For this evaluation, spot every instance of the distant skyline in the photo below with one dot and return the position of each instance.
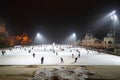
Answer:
(55, 19)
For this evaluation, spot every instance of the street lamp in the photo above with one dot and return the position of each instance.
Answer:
(37, 38)
(74, 37)
(113, 12)
(40, 39)
(114, 18)
(38, 34)
(71, 38)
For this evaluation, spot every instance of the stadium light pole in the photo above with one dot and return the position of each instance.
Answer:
(73, 37)
(38, 37)
(114, 18)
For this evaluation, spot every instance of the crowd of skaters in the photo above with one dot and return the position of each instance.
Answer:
(42, 58)
(54, 52)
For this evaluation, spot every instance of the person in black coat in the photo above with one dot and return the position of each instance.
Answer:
(3, 52)
(29, 51)
(78, 55)
(75, 60)
(42, 59)
(61, 60)
(33, 55)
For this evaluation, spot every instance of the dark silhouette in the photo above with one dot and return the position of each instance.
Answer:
(42, 59)
(3, 52)
(10, 49)
(56, 53)
(75, 60)
(53, 51)
(61, 60)
(72, 55)
(33, 55)
(99, 51)
(29, 51)
(78, 55)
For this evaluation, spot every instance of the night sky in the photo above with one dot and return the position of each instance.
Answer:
(56, 19)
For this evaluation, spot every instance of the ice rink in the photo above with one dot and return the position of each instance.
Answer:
(52, 54)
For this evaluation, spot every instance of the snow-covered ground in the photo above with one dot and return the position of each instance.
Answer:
(21, 56)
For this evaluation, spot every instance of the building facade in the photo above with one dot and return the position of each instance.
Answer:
(106, 43)
(91, 41)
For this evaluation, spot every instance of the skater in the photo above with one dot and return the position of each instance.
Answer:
(33, 55)
(44, 49)
(78, 51)
(61, 60)
(29, 51)
(87, 51)
(72, 55)
(32, 48)
(99, 51)
(53, 51)
(62, 49)
(3, 52)
(78, 55)
(42, 59)
(10, 49)
(56, 53)
(75, 60)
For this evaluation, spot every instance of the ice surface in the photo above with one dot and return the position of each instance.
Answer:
(21, 56)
